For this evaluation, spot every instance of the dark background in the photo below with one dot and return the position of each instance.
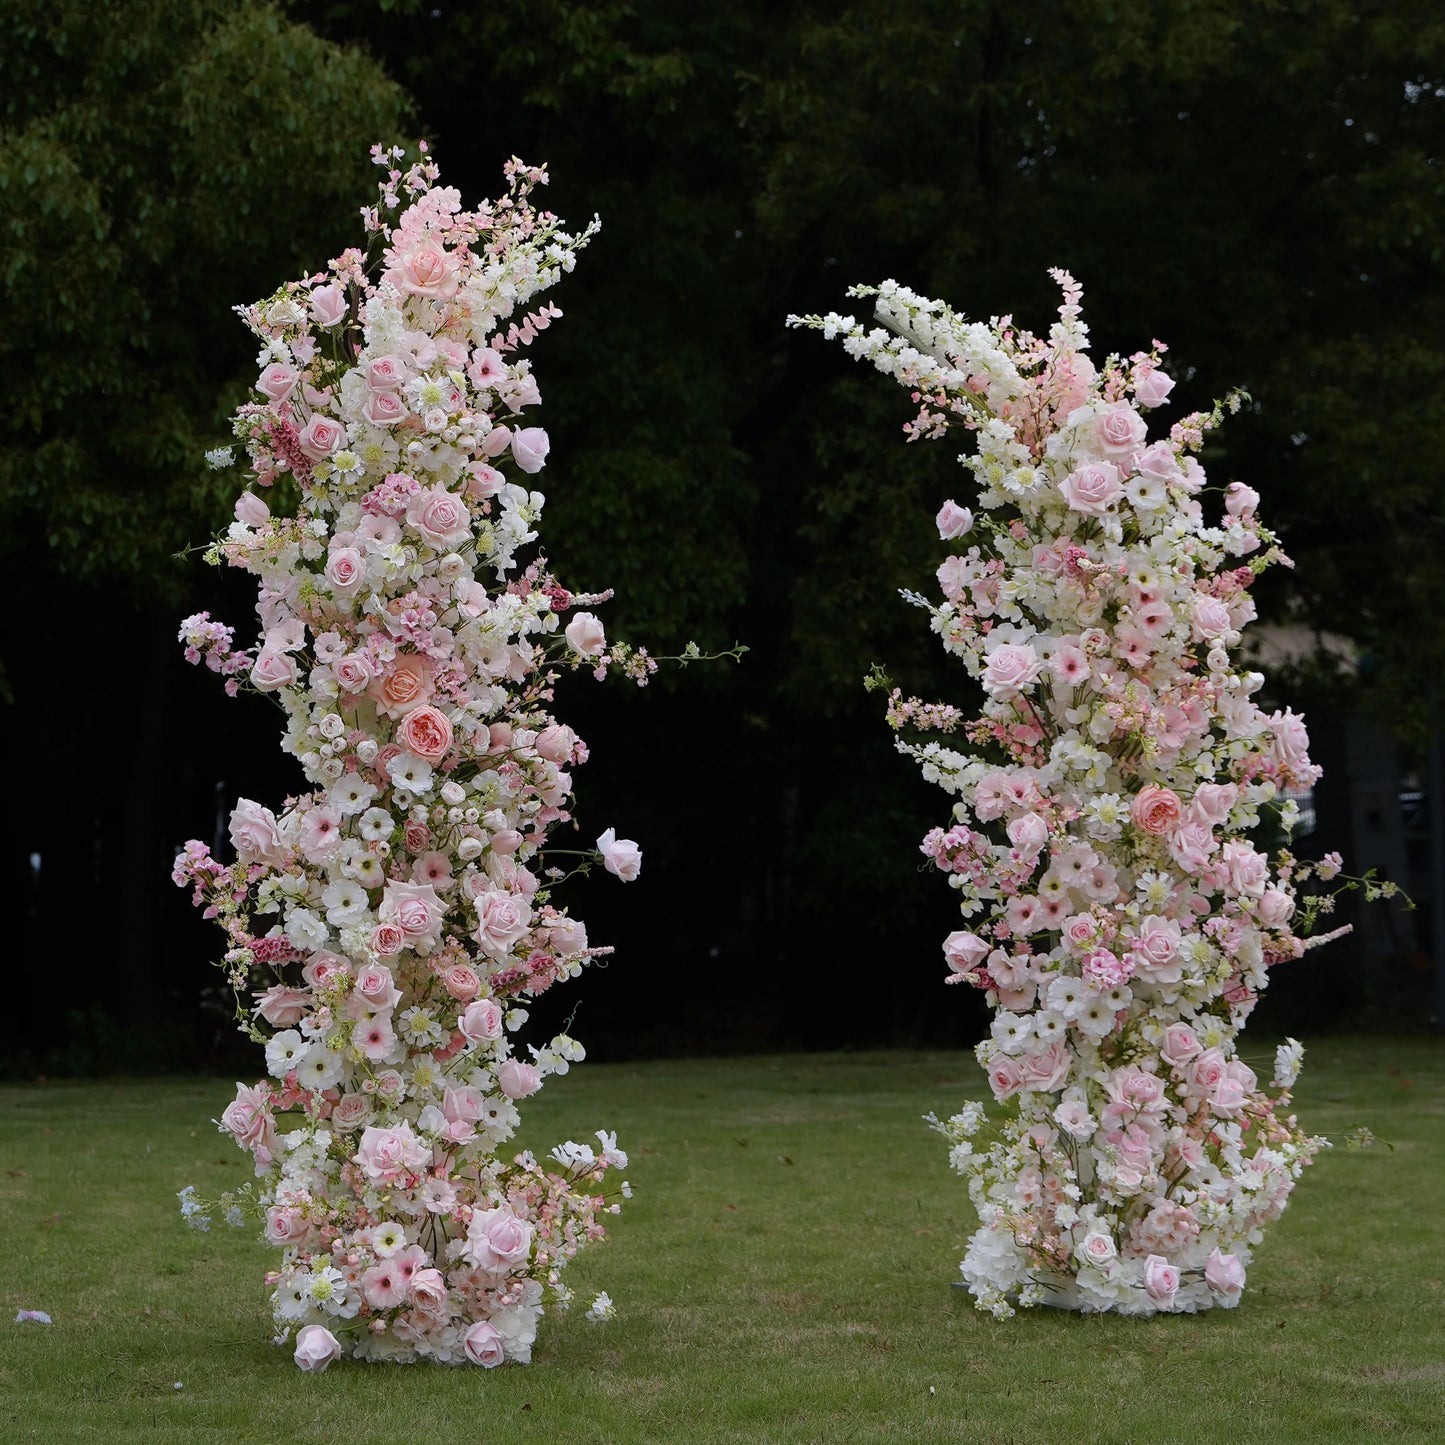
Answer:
(1259, 185)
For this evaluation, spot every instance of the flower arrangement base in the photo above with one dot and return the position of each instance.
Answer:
(1061, 1294)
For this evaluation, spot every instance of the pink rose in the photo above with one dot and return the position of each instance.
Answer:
(461, 982)
(384, 408)
(346, 571)
(285, 1225)
(1206, 1071)
(1120, 429)
(384, 373)
(284, 1007)
(518, 1080)
(483, 1345)
(414, 908)
(1005, 1077)
(481, 1021)
(278, 381)
(426, 270)
(405, 685)
(353, 672)
(443, 519)
(427, 733)
(1159, 462)
(1274, 908)
(1157, 943)
(248, 1119)
(585, 635)
(272, 670)
(497, 1241)
(387, 940)
(620, 856)
(462, 1101)
(1211, 619)
(1212, 802)
(1181, 1044)
(1046, 1069)
(1224, 1275)
(323, 967)
(388, 1154)
(1161, 1280)
(251, 511)
(316, 1348)
(1239, 500)
(328, 305)
(1291, 741)
(1028, 833)
(1156, 810)
(1093, 488)
(963, 952)
(555, 743)
(429, 1290)
(502, 919)
(321, 436)
(529, 448)
(1010, 669)
(351, 1110)
(376, 985)
(1098, 1248)
(1151, 386)
(254, 833)
(1246, 871)
(953, 521)
(1190, 846)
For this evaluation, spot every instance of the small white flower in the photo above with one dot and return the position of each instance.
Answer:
(602, 1309)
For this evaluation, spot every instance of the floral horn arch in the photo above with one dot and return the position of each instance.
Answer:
(1119, 917)
(393, 920)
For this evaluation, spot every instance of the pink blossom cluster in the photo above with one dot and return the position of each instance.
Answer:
(1120, 917)
(387, 927)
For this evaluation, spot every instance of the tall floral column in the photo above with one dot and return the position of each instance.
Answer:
(387, 927)
(1111, 796)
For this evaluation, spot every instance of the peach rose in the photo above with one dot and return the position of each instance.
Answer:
(405, 685)
(1156, 810)
(427, 733)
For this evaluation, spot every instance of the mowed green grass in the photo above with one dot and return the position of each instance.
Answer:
(783, 1274)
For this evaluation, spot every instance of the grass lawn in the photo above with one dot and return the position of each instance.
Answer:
(782, 1274)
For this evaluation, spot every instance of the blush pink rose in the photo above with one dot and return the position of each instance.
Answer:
(1028, 833)
(351, 1110)
(1005, 1077)
(251, 511)
(1120, 429)
(328, 305)
(1212, 801)
(953, 521)
(585, 635)
(620, 856)
(286, 1225)
(462, 982)
(1246, 870)
(387, 940)
(426, 270)
(1211, 619)
(254, 833)
(283, 1007)
(321, 436)
(1151, 386)
(1291, 741)
(518, 1080)
(1045, 1069)
(502, 919)
(249, 1121)
(1224, 1275)
(376, 985)
(1010, 669)
(1093, 488)
(384, 373)
(346, 571)
(278, 381)
(483, 1345)
(963, 951)
(529, 448)
(386, 1154)
(1275, 907)
(427, 733)
(1190, 845)
(568, 936)
(353, 672)
(429, 1292)
(442, 518)
(1156, 810)
(481, 1020)
(1161, 1280)
(1240, 500)
(1181, 1044)
(415, 909)
(272, 670)
(1205, 1072)
(316, 1348)
(497, 1241)
(556, 742)
(384, 408)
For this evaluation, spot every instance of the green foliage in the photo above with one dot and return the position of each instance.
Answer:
(781, 1274)
(152, 174)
